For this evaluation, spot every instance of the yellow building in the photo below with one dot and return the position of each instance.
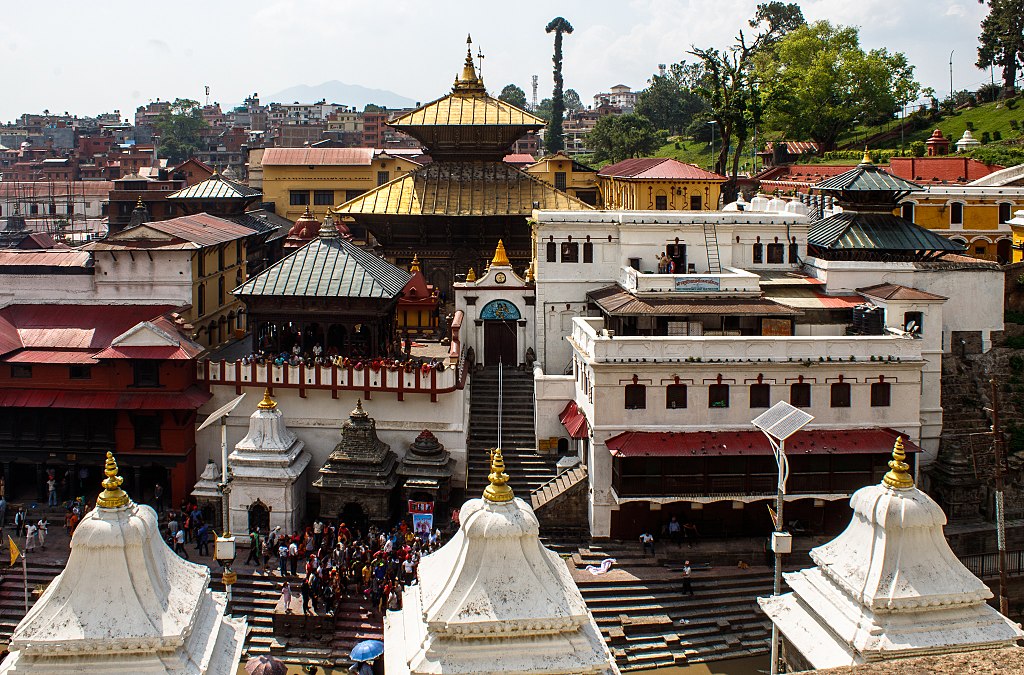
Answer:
(977, 217)
(658, 184)
(568, 175)
(322, 178)
(193, 260)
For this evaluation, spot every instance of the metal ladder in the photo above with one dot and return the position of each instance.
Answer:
(711, 242)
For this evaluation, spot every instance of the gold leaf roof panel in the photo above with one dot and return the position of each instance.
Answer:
(467, 109)
(476, 188)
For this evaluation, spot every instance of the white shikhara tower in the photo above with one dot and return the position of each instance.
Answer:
(267, 469)
(494, 600)
(126, 604)
(888, 587)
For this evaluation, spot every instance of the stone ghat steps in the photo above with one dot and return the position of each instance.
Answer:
(12, 592)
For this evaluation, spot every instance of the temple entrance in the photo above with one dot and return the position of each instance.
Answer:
(354, 517)
(259, 517)
(501, 332)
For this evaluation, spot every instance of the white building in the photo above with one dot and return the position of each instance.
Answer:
(126, 603)
(888, 587)
(620, 96)
(494, 600)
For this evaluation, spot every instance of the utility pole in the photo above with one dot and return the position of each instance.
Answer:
(951, 75)
(533, 108)
(997, 448)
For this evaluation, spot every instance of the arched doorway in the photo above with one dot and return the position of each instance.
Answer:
(354, 517)
(501, 332)
(259, 517)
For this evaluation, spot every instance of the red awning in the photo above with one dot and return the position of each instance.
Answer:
(168, 353)
(574, 421)
(748, 443)
(190, 399)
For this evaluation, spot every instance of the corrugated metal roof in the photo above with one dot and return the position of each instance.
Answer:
(201, 229)
(746, 443)
(615, 301)
(852, 230)
(216, 187)
(63, 327)
(44, 258)
(866, 178)
(463, 189)
(657, 168)
(331, 268)
(898, 292)
(317, 156)
(192, 398)
(51, 356)
(467, 109)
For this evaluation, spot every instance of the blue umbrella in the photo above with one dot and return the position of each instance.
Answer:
(367, 650)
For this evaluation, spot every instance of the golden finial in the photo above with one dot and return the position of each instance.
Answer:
(471, 275)
(500, 257)
(415, 266)
(867, 157)
(529, 273)
(113, 496)
(899, 471)
(469, 81)
(498, 491)
(139, 204)
(267, 403)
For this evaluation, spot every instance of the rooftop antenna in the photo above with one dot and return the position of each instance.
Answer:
(480, 62)
(534, 106)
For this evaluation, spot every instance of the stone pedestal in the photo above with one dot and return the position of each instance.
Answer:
(359, 478)
(268, 484)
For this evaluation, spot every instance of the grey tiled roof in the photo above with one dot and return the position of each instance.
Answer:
(328, 268)
(216, 187)
(866, 178)
(876, 231)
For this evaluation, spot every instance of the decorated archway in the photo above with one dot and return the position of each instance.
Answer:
(501, 331)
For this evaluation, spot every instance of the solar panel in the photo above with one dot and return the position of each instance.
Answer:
(782, 420)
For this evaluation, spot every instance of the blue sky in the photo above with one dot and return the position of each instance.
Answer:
(61, 56)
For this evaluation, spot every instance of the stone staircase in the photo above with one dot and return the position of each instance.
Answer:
(527, 470)
(562, 508)
(648, 622)
(12, 592)
(255, 596)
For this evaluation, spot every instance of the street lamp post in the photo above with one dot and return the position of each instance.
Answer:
(224, 545)
(779, 423)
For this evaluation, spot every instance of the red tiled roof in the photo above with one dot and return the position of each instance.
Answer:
(520, 158)
(747, 443)
(44, 258)
(51, 356)
(200, 229)
(191, 399)
(657, 168)
(317, 156)
(957, 170)
(574, 421)
(897, 292)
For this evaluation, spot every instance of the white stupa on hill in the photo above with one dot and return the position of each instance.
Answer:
(888, 587)
(494, 600)
(126, 604)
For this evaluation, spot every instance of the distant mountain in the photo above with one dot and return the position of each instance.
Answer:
(340, 92)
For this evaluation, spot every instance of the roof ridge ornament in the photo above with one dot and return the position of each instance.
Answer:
(898, 476)
(328, 230)
(112, 497)
(500, 257)
(498, 491)
(471, 275)
(358, 412)
(267, 403)
(469, 82)
(867, 161)
(415, 266)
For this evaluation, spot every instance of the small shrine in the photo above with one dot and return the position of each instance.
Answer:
(426, 470)
(268, 485)
(494, 600)
(417, 306)
(937, 144)
(888, 587)
(358, 480)
(125, 603)
(207, 493)
(967, 142)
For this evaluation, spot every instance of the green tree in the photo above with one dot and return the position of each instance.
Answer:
(1002, 40)
(180, 128)
(572, 100)
(514, 95)
(776, 19)
(669, 102)
(618, 137)
(554, 141)
(543, 110)
(819, 80)
(373, 107)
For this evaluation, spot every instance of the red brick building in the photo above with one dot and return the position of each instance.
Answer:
(77, 381)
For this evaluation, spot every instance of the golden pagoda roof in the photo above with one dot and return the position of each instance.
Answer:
(468, 188)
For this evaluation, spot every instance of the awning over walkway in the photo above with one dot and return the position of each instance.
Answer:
(616, 301)
(574, 421)
(751, 443)
(190, 399)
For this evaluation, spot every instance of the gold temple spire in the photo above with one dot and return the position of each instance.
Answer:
(415, 266)
(899, 471)
(469, 81)
(267, 403)
(471, 275)
(113, 496)
(139, 204)
(498, 491)
(500, 257)
(867, 157)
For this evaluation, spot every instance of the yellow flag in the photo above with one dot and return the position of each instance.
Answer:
(14, 551)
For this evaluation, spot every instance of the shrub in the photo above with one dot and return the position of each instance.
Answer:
(985, 138)
(970, 126)
(997, 135)
(1015, 125)
(918, 148)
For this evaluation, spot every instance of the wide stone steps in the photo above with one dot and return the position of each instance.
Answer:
(554, 488)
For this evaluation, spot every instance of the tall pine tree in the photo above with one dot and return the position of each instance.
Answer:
(554, 142)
